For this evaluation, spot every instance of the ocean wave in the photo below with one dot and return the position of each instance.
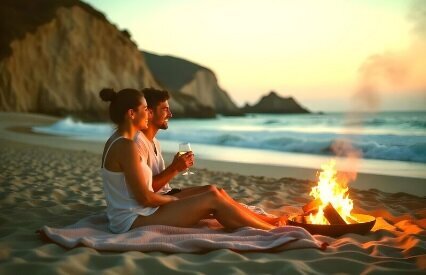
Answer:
(272, 121)
(385, 147)
(407, 147)
(417, 124)
(73, 128)
(228, 139)
(375, 122)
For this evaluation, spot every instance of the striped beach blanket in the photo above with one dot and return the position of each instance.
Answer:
(93, 232)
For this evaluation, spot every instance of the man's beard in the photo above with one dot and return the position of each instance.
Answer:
(164, 126)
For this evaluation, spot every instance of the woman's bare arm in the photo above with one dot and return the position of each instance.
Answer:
(129, 160)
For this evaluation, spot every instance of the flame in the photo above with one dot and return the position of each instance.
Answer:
(331, 189)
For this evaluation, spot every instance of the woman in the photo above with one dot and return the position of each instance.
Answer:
(127, 180)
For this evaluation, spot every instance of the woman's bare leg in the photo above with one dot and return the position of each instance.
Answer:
(189, 211)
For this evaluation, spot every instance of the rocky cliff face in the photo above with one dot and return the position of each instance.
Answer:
(61, 66)
(204, 87)
(183, 77)
(56, 59)
(274, 104)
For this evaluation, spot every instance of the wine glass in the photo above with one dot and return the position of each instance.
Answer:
(183, 149)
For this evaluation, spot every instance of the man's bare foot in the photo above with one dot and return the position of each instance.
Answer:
(278, 221)
(281, 221)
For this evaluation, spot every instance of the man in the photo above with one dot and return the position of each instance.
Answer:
(149, 148)
(158, 116)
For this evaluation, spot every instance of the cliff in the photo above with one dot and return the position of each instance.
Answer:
(183, 77)
(55, 56)
(274, 104)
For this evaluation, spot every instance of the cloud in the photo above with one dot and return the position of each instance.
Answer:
(417, 15)
(402, 71)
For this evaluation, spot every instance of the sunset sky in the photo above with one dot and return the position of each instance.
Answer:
(310, 49)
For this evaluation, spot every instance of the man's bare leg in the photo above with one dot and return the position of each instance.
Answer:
(191, 191)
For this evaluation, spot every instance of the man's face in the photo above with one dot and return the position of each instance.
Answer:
(161, 115)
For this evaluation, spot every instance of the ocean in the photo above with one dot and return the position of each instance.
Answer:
(390, 143)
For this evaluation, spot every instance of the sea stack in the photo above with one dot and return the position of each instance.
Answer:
(275, 104)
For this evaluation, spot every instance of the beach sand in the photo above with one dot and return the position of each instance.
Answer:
(50, 180)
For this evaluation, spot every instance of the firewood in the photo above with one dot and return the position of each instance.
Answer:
(299, 219)
(332, 215)
(312, 206)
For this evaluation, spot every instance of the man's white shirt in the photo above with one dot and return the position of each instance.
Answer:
(155, 161)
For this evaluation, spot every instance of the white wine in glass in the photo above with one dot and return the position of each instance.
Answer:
(183, 149)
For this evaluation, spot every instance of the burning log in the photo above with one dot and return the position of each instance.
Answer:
(330, 212)
(312, 206)
(332, 215)
(300, 219)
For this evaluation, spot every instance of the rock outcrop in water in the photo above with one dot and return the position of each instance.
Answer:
(55, 56)
(274, 104)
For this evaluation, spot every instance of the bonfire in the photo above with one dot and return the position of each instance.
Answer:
(330, 211)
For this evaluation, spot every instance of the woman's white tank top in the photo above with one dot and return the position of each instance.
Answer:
(122, 207)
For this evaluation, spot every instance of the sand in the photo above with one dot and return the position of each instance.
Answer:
(49, 180)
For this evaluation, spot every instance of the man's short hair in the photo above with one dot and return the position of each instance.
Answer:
(154, 97)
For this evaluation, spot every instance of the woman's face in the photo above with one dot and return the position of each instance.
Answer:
(141, 115)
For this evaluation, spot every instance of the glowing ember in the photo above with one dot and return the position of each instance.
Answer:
(330, 190)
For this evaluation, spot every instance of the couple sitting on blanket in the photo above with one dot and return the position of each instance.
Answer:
(136, 181)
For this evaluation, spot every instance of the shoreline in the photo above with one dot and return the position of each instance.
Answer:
(17, 127)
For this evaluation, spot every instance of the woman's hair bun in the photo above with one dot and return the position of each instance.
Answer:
(107, 94)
